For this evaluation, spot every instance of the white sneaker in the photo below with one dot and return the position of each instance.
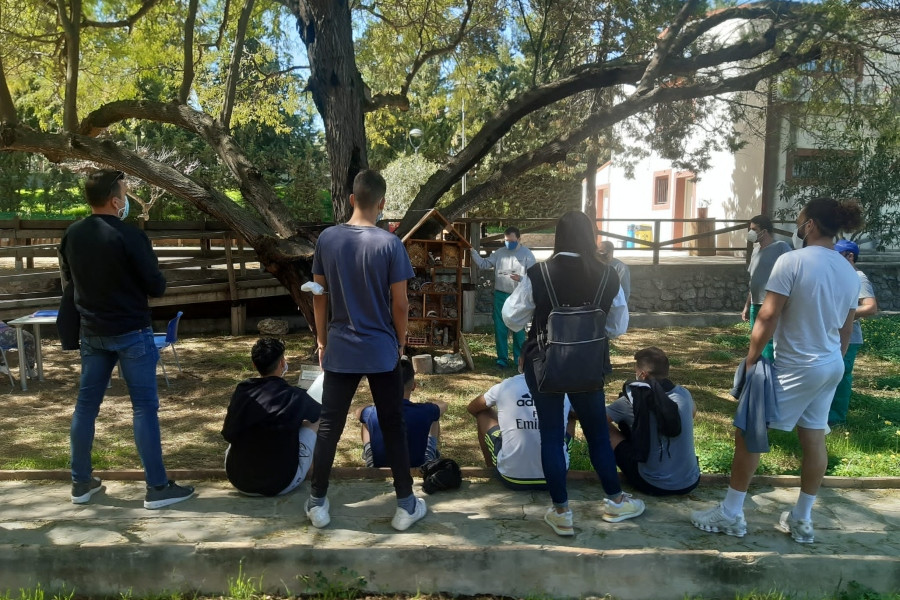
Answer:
(714, 520)
(319, 515)
(31, 372)
(799, 529)
(403, 520)
(561, 523)
(629, 508)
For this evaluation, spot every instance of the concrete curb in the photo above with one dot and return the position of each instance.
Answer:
(860, 483)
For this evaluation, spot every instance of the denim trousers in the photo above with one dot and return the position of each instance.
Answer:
(591, 410)
(137, 355)
(337, 394)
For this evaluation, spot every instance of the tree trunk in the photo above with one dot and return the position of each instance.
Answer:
(590, 186)
(338, 91)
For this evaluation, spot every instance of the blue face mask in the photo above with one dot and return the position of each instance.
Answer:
(511, 245)
(122, 213)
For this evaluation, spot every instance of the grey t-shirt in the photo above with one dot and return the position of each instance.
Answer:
(624, 276)
(678, 467)
(760, 268)
(865, 291)
(359, 265)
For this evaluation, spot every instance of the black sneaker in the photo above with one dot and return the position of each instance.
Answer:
(82, 492)
(159, 496)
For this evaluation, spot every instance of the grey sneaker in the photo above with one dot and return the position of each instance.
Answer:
(159, 496)
(561, 523)
(32, 373)
(82, 491)
(799, 529)
(627, 509)
(714, 520)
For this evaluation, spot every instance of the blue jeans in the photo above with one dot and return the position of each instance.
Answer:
(591, 410)
(137, 355)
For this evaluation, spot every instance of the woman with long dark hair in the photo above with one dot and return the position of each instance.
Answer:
(575, 275)
(810, 304)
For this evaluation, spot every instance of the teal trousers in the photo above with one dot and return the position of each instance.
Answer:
(840, 404)
(501, 332)
(769, 350)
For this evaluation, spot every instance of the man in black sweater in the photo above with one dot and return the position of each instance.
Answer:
(113, 270)
(270, 426)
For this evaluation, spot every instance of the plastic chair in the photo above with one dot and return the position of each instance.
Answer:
(167, 340)
(3, 350)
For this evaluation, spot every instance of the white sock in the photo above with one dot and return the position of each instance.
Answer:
(733, 505)
(803, 508)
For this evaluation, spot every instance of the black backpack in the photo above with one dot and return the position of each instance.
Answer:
(440, 474)
(573, 351)
(652, 397)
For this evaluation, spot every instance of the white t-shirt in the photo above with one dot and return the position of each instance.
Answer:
(865, 291)
(821, 287)
(520, 453)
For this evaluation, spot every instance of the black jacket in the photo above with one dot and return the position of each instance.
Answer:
(262, 425)
(114, 270)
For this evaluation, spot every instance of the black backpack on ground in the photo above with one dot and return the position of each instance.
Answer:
(440, 474)
(573, 351)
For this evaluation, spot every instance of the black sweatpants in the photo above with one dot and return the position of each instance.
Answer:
(337, 394)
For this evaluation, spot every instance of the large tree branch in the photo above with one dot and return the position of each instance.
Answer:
(557, 149)
(401, 99)
(187, 77)
(252, 185)
(126, 22)
(234, 71)
(71, 24)
(612, 73)
(664, 47)
(7, 107)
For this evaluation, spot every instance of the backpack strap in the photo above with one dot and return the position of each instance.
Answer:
(602, 287)
(545, 273)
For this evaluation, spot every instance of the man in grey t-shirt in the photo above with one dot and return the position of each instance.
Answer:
(760, 268)
(605, 252)
(671, 467)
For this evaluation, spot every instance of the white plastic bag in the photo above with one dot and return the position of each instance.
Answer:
(519, 307)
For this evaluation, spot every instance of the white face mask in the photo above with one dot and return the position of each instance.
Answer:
(284, 372)
(122, 213)
(752, 236)
(800, 242)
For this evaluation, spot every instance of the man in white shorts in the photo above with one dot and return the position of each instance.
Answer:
(810, 306)
(270, 426)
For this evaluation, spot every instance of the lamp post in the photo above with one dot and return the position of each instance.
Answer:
(415, 139)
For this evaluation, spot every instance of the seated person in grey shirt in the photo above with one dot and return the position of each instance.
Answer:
(671, 466)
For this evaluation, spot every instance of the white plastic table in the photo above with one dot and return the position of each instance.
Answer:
(41, 317)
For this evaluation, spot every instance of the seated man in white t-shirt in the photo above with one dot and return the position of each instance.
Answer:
(508, 433)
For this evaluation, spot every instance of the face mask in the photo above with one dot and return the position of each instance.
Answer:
(122, 213)
(284, 372)
(752, 236)
(511, 245)
(380, 217)
(799, 242)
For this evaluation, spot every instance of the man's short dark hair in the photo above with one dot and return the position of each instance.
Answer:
(101, 185)
(368, 188)
(408, 375)
(606, 247)
(652, 361)
(513, 231)
(763, 222)
(266, 354)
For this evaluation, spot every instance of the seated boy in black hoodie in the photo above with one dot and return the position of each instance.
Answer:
(270, 426)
